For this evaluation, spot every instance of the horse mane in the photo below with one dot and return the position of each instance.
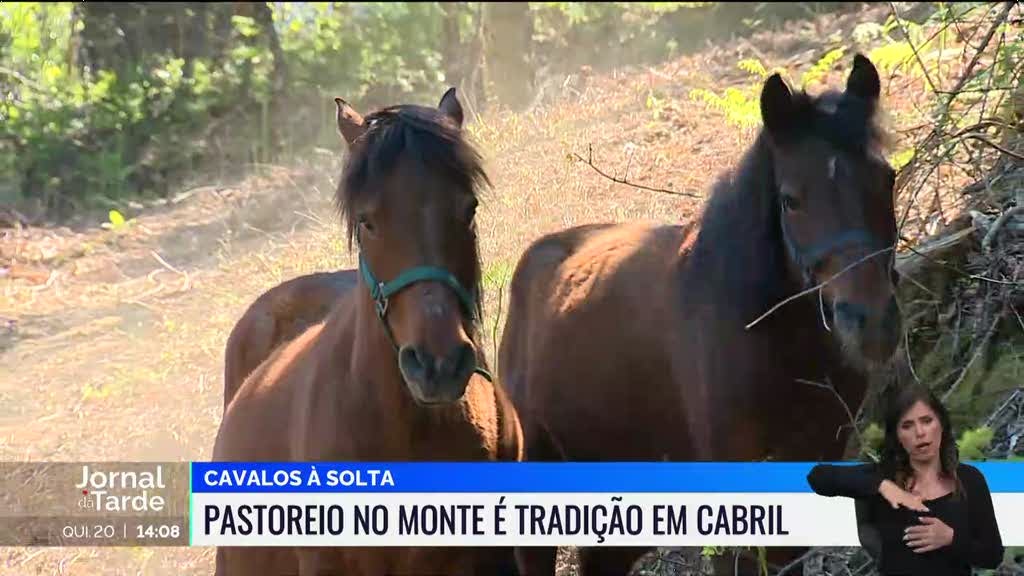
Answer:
(437, 145)
(740, 236)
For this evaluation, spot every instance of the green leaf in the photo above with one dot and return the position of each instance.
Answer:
(974, 443)
(901, 158)
(823, 66)
(116, 219)
(753, 66)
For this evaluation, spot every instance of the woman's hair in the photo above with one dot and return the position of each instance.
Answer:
(895, 461)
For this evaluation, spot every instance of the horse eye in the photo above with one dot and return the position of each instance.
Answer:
(471, 210)
(365, 223)
(790, 203)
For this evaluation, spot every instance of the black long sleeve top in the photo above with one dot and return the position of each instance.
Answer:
(976, 539)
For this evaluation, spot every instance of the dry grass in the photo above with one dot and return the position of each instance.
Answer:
(118, 356)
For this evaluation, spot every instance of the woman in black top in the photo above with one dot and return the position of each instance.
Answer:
(925, 513)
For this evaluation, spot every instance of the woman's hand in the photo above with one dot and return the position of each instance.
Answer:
(897, 497)
(931, 534)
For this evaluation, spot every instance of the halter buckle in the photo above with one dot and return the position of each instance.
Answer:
(381, 301)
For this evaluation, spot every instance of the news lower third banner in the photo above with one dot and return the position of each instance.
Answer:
(537, 504)
(440, 504)
(94, 504)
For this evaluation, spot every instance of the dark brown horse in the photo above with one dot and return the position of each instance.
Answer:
(278, 316)
(394, 372)
(631, 342)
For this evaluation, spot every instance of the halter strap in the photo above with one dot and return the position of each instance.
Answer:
(381, 292)
(809, 257)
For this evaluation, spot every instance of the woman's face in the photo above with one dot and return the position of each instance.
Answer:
(920, 433)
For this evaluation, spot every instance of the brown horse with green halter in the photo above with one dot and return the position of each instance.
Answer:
(395, 370)
(645, 342)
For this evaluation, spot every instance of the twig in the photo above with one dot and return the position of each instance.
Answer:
(1017, 314)
(188, 279)
(977, 353)
(849, 414)
(165, 264)
(821, 307)
(629, 162)
(817, 287)
(932, 140)
(29, 557)
(986, 243)
(973, 91)
(906, 342)
(961, 272)
(49, 282)
(497, 320)
(590, 163)
(955, 346)
(981, 49)
(906, 33)
(1003, 406)
(917, 283)
(985, 140)
(312, 218)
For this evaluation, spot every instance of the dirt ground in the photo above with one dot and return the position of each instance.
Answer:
(111, 340)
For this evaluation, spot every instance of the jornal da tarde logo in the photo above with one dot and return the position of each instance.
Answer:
(122, 490)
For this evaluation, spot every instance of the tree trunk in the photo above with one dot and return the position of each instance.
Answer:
(509, 52)
(451, 45)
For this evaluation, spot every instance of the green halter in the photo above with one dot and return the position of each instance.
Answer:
(382, 291)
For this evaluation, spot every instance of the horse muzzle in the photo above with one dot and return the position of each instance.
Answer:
(437, 379)
(871, 334)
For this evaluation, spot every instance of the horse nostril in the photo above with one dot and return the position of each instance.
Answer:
(849, 314)
(464, 359)
(427, 361)
(417, 363)
(457, 363)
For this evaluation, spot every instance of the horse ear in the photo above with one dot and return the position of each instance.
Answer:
(777, 110)
(450, 107)
(863, 80)
(350, 123)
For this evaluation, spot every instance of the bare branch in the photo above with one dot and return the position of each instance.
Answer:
(961, 272)
(981, 49)
(785, 569)
(906, 33)
(986, 243)
(934, 138)
(817, 287)
(849, 413)
(981, 138)
(590, 162)
(977, 353)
